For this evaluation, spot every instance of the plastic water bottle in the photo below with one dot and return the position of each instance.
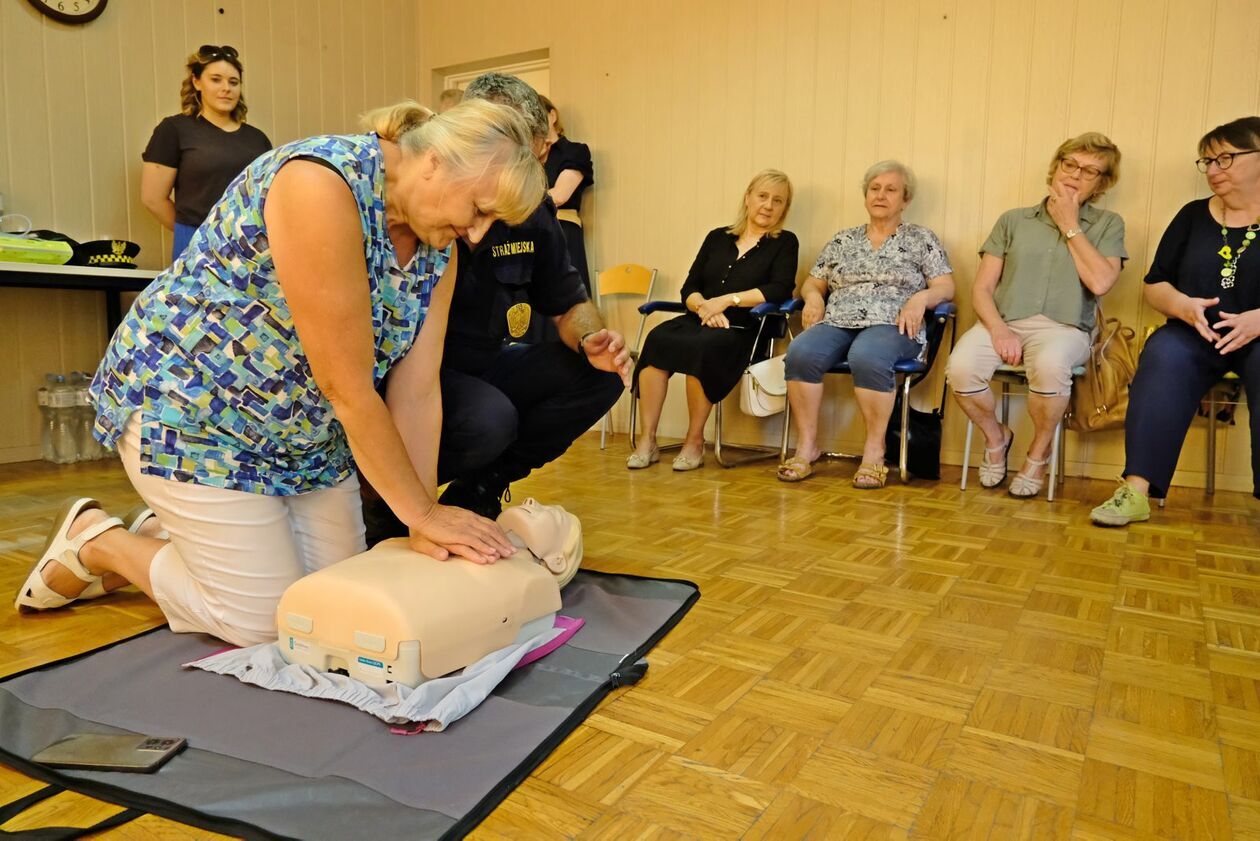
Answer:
(64, 431)
(85, 418)
(46, 422)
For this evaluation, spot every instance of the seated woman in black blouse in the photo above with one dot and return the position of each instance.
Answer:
(1206, 279)
(738, 267)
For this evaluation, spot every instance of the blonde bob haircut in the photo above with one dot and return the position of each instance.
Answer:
(761, 179)
(472, 139)
(1091, 143)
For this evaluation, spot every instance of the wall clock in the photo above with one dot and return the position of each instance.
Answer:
(70, 11)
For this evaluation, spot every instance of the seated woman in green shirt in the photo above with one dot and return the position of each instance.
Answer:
(1041, 272)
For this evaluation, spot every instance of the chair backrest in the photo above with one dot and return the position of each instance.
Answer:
(626, 279)
(936, 321)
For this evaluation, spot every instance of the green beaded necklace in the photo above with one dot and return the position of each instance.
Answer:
(1228, 273)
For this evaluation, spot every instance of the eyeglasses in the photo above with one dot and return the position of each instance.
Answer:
(1071, 167)
(209, 52)
(1224, 160)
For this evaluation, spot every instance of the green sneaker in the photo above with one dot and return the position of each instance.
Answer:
(1125, 506)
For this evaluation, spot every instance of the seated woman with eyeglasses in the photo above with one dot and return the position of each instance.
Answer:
(198, 151)
(1042, 270)
(1207, 281)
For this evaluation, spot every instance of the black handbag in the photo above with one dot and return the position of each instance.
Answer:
(923, 456)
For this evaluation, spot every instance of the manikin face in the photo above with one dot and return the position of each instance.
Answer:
(766, 203)
(886, 197)
(1085, 180)
(220, 87)
(443, 207)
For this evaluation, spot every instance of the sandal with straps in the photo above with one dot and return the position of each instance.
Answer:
(1024, 486)
(60, 548)
(870, 477)
(795, 469)
(993, 473)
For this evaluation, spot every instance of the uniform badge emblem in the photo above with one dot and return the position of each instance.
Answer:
(518, 316)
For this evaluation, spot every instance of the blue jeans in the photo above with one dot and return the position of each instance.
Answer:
(183, 233)
(871, 352)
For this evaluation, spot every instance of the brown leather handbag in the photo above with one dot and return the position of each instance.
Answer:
(1100, 397)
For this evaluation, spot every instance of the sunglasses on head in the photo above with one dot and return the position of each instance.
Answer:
(209, 52)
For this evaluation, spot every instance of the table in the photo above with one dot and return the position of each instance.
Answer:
(112, 282)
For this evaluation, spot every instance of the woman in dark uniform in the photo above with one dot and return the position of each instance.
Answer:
(569, 173)
(738, 267)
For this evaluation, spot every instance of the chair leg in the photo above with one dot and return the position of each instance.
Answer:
(634, 408)
(1055, 444)
(962, 486)
(787, 428)
(717, 435)
(1211, 442)
(603, 430)
(903, 459)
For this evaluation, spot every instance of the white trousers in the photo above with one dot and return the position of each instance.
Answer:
(232, 554)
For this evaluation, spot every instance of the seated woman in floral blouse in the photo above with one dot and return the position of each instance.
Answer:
(865, 300)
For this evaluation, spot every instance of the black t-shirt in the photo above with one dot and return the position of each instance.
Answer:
(205, 159)
(1188, 257)
(769, 266)
(565, 154)
(527, 263)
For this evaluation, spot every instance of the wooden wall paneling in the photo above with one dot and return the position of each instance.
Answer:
(928, 150)
(30, 186)
(286, 82)
(67, 127)
(104, 141)
(355, 59)
(332, 103)
(820, 202)
(899, 57)
(1090, 81)
(800, 94)
(1133, 129)
(1052, 52)
(200, 27)
(251, 29)
(135, 96)
(308, 68)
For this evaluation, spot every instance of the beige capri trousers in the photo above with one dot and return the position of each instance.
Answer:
(1051, 351)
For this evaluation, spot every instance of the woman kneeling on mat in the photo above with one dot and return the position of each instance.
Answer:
(749, 263)
(240, 390)
(865, 300)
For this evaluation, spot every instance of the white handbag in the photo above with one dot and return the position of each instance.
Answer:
(763, 388)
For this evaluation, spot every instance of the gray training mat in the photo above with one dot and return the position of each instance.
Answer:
(265, 764)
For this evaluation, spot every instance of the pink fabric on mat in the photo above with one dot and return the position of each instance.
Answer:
(571, 626)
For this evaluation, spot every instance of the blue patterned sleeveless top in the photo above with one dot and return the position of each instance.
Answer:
(208, 355)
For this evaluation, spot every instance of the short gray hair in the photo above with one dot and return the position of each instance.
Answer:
(509, 90)
(906, 173)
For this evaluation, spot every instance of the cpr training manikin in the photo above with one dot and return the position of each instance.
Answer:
(391, 615)
(410, 639)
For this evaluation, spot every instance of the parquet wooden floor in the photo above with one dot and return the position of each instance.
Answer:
(913, 663)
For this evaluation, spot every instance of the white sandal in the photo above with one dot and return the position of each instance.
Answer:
(993, 473)
(59, 548)
(1024, 486)
(135, 519)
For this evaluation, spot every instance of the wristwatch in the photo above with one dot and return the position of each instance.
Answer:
(735, 299)
(1071, 232)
